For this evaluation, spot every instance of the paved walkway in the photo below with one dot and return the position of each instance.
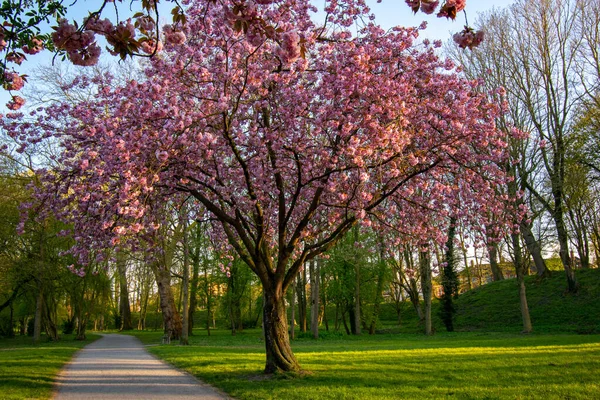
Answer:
(119, 367)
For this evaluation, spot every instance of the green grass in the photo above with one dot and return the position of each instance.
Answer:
(28, 371)
(447, 366)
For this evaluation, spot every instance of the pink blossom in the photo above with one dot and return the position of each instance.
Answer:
(80, 46)
(452, 7)
(35, 47)
(161, 155)
(16, 103)
(13, 81)
(289, 50)
(429, 6)
(468, 38)
(150, 46)
(15, 57)
(174, 36)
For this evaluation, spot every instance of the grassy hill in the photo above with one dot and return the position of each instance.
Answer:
(495, 307)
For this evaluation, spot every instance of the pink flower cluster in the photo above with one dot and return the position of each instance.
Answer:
(289, 50)
(426, 6)
(2, 41)
(173, 35)
(468, 38)
(16, 103)
(13, 81)
(15, 57)
(35, 47)
(77, 271)
(451, 8)
(150, 46)
(81, 47)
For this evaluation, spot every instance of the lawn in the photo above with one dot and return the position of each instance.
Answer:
(465, 365)
(27, 371)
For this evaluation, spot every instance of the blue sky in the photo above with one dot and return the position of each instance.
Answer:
(388, 13)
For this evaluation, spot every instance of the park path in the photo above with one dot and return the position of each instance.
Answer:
(119, 367)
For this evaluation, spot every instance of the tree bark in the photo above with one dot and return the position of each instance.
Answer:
(124, 306)
(495, 268)
(301, 295)
(425, 269)
(185, 281)
(520, 269)
(357, 321)
(449, 280)
(293, 316)
(280, 357)
(315, 271)
(534, 248)
(194, 285)
(171, 318)
(37, 322)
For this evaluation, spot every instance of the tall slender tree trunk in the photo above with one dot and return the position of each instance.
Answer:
(194, 287)
(413, 293)
(378, 293)
(301, 295)
(124, 306)
(293, 316)
(315, 271)
(463, 249)
(324, 300)
(494, 266)
(534, 248)
(520, 269)
(185, 281)
(425, 269)
(357, 320)
(449, 280)
(37, 322)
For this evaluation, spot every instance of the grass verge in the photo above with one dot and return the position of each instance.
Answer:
(27, 371)
(464, 365)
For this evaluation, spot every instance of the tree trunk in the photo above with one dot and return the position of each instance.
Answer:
(463, 249)
(280, 357)
(323, 291)
(356, 330)
(449, 280)
(293, 316)
(171, 318)
(527, 328)
(496, 271)
(425, 269)
(11, 321)
(194, 287)
(315, 272)
(185, 281)
(124, 306)
(534, 248)
(301, 295)
(49, 321)
(37, 322)
(207, 292)
(563, 241)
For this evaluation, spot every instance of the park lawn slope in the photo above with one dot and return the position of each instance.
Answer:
(494, 307)
(28, 371)
(464, 365)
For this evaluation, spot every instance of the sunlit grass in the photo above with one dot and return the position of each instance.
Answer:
(28, 371)
(461, 366)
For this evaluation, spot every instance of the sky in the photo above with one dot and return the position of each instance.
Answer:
(388, 13)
